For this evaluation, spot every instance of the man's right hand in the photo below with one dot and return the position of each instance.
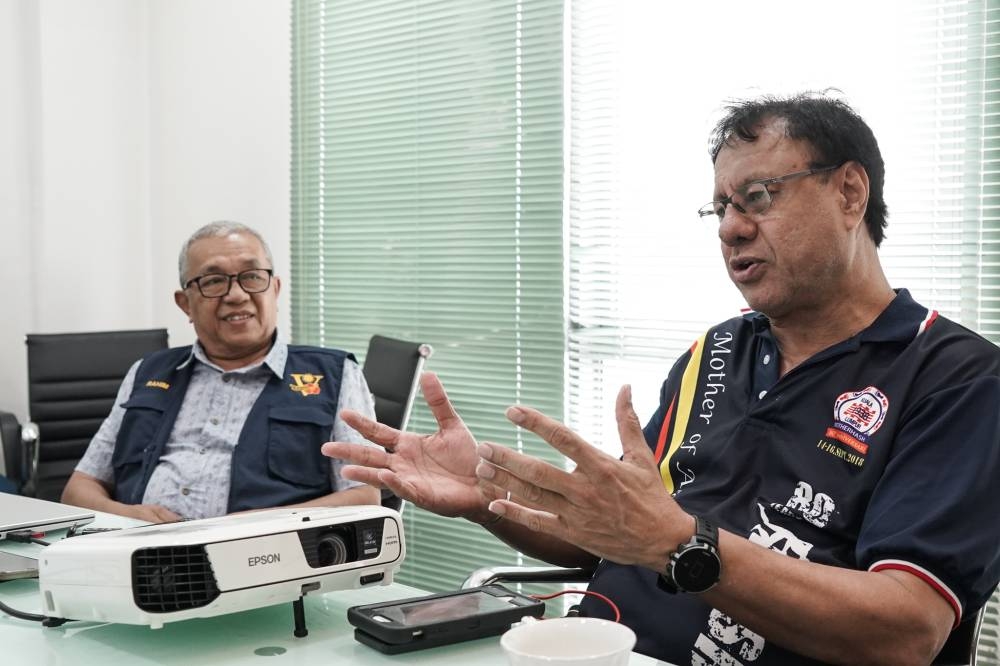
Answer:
(91, 493)
(436, 472)
(151, 513)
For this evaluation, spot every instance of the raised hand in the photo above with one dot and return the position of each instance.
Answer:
(616, 509)
(435, 472)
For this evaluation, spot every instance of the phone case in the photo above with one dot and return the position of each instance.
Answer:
(394, 637)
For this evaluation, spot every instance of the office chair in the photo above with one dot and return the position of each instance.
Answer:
(527, 574)
(961, 647)
(13, 469)
(73, 379)
(958, 650)
(392, 369)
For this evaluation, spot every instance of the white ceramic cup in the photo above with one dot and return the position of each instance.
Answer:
(568, 641)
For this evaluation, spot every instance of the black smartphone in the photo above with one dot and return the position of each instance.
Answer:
(440, 619)
(17, 566)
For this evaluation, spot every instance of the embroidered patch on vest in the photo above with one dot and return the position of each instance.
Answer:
(155, 383)
(306, 384)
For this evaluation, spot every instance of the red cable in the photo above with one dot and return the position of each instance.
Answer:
(618, 614)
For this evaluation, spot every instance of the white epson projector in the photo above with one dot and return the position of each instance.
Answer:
(156, 574)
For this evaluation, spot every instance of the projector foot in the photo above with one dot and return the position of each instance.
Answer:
(299, 611)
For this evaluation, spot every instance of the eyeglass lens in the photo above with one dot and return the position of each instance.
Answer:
(252, 281)
(754, 200)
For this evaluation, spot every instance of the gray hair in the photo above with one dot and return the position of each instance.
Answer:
(218, 229)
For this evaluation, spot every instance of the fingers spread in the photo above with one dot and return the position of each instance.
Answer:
(634, 446)
(437, 399)
(358, 454)
(373, 431)
(538, 521)
(560, 437)
(367, 475)
(526, 469)
(529, 493)
(386, 478)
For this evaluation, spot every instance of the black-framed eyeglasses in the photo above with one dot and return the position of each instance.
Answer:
(217, 285)
(754, 198)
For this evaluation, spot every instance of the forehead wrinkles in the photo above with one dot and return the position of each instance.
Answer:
(772, 155)
(214, 254)
(226, 262)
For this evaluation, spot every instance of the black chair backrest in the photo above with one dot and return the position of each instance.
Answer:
(72, 382)
(10, 435)
(960, 648)
(392, 370)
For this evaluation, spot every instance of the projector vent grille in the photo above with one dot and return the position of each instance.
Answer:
(172, 578)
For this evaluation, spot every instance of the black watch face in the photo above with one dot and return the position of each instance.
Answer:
(697, 569)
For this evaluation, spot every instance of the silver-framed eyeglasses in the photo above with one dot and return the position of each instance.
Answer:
(217, 285)
(754, 198)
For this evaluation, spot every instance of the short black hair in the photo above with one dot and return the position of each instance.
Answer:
(833, 129)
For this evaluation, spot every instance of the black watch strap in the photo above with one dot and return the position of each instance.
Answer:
(705, 539)
(706, 532)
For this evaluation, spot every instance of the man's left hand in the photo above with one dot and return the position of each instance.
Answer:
(616, 509)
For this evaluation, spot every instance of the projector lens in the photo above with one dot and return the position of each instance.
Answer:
(331, 550)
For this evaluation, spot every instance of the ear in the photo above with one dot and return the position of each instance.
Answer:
(854, 193)
(277, 285)
(181, 299)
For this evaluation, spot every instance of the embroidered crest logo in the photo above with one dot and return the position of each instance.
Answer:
(857, 415)
(155, 383)
(306, 384)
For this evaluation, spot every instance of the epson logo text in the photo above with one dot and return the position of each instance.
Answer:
(270, 558)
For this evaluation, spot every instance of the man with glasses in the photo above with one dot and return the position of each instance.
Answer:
(819, 481)
(235, 421)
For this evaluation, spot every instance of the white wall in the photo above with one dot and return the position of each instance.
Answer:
(90, 266)
(18, 137)
(219, 128)
(125, 125)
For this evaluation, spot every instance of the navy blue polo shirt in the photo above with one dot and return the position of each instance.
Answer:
(880, 452)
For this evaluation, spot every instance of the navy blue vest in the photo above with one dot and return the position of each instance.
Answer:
(277, 460)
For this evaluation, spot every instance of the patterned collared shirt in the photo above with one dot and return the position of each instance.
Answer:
(192, 477)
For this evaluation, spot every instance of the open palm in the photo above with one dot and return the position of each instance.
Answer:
(436, 472)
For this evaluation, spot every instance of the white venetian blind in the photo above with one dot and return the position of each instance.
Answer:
(951, 251)
(945, 227)
(427, 205)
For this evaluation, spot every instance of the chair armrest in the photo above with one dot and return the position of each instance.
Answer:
(30, 449)
(962, 644)
(523, 574)
(10, 440)
(20, 451)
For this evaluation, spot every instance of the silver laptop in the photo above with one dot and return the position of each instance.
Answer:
(27, 514)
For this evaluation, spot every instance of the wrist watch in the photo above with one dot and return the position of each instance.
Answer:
(695, 566)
